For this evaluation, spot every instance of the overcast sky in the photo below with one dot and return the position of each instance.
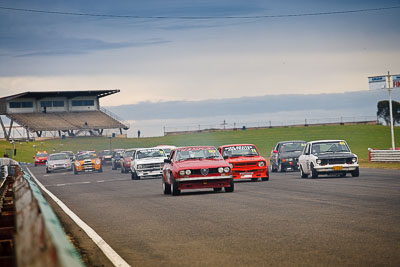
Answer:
(176, 58)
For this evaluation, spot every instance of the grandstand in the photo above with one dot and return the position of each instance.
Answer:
(69, 113)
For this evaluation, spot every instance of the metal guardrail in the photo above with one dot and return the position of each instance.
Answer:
(382, 155)
(58, 250)
(30, 225)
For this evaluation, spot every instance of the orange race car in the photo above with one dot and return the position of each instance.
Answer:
(87, 162)
(245, 161)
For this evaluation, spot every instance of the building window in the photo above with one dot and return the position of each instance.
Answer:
(58, 103)
(79, 103)
(21, 104)
(46, 104)
(51, 104)
(27, 104)
(15, 104)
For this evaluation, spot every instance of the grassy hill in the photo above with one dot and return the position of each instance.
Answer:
(359, 138)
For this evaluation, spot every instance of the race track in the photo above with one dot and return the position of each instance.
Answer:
(286, 221)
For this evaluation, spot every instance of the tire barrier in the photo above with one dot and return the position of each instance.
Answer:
(380, 155)
(38, 237)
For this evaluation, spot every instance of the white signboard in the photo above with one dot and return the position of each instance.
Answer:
(377, 82)
(396, 81)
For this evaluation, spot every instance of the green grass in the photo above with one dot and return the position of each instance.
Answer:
(359, 138)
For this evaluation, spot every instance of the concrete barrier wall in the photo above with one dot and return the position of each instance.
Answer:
(39, 239)
(380, 155)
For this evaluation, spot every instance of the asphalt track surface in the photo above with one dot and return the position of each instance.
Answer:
(287, 221)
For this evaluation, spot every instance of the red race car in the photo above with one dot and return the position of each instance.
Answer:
(245, 161)
(41, 158)
(196, 167)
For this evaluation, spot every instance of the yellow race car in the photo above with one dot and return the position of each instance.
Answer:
(87, 162)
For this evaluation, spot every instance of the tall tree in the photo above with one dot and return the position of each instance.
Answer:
(384, 112)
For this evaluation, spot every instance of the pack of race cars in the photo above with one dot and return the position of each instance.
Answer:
(200, 167)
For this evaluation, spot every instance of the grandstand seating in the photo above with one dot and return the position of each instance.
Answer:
(62, 121)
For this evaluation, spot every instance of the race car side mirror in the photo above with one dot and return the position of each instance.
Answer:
(226, 157)
(167, 161)
(275, 151)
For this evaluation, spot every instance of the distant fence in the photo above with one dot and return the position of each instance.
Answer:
(224, 125)
(384, 155)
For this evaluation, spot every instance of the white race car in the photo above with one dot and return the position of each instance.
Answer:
(147, 162)
(332, 157)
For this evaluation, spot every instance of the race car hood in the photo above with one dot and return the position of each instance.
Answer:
(294, 154)
(245, 159)
(336, 155)
(201, 164)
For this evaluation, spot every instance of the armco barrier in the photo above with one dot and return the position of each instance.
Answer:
(381, 155)
(39, 239)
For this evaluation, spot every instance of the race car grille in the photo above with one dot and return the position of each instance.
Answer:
(59, 165)
(211, 171)
(245, 164)
(152, 166)
(336, 161)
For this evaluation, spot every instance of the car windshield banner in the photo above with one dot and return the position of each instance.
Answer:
(377, 82)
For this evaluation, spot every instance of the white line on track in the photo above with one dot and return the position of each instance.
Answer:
(115, 259)
(76, 183)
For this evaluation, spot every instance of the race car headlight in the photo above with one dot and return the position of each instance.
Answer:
(139, 167)
(319, 161)
(261, 164)
(97, 161)
(354, 160)
(77, 163)
(188, 172)
(181, 173)
(220, 170)
(227, 169)
(283, 160)
(290, 159)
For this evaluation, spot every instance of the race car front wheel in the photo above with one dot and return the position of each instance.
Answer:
(231, 187)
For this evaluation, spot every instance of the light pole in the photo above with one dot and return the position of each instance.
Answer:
(391, 112)
(21, 158)
(384, 82)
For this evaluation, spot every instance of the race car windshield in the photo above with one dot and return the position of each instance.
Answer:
(197, 153)
(107, 152)
(292, 147)
(240, 151)
(58, 157)
(329, 147)
(150, 153)
(129, 153)
(87, 156)
(41, 155)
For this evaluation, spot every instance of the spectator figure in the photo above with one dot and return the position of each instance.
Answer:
(138, 133)
(5, 155)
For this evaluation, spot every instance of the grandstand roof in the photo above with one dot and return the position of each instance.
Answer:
(69, 94)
